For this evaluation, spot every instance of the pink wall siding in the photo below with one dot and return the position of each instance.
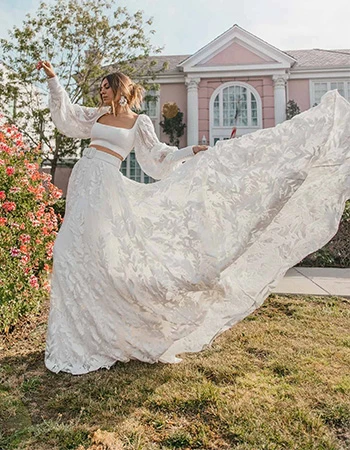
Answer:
(235, 54)
(299, 91)
(177, 93)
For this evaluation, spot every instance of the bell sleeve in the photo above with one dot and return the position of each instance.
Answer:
(156, 158)
(70, 119)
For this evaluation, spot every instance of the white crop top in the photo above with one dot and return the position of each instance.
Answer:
(156, 158)
(120, 140)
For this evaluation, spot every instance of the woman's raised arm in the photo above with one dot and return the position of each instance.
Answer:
(70, 119)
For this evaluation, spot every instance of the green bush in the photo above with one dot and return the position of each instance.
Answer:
(60, 207)
(336, 253)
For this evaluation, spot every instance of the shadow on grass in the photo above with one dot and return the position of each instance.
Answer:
(104, 397)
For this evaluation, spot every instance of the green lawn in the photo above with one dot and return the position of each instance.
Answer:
(280, 379)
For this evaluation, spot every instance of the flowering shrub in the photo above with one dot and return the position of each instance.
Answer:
(28, 227)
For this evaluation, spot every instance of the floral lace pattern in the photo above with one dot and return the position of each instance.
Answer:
(156, 158)
(150, 271)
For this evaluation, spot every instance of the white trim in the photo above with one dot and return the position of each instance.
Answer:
(219, 131)
(229, 74)
(192, 85)
(320, 73)
(157, 126)
(238, 72)
(157, 118)
(234, 68)
(280, 98)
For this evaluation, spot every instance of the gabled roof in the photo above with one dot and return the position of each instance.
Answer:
(272, 56)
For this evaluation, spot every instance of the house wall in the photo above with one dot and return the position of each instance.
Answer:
(177, 93)
(299, 91)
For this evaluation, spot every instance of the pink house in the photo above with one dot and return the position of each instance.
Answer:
(237, 64)
(240, 80)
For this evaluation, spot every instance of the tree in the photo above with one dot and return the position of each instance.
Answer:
(292, 109)
(84, 40)
(172, 124)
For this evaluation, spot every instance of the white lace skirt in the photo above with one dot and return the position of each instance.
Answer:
(150, 271)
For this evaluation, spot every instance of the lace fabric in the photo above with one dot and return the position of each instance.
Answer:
(152, 271)
(71, 119)
(155, 158)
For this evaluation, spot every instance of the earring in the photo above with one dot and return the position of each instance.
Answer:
(123, 101)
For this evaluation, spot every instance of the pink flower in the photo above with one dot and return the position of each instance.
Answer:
(24, 238)
(56, 193)
(9, 206)
(47, 286)
(33, 281)
(15, 252)
(14, 190)
(25, 259)
(3, 221)
(2, 162)
(49, 249)
(2, 195)
(10, 170)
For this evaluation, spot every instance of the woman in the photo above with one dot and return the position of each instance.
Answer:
(149, 271)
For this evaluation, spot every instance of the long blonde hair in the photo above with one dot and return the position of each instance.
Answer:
(133, 92)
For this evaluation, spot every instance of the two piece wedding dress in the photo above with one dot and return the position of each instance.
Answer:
(150, 271)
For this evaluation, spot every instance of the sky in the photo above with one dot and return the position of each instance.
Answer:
(185, 26)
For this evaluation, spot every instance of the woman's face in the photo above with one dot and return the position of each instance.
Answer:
(106, 92)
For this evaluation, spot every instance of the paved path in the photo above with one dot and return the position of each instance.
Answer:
(315, 281)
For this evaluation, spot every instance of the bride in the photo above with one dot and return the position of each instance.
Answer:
(150, 271)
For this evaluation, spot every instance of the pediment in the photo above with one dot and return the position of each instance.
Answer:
(237, 48)
(236, 53)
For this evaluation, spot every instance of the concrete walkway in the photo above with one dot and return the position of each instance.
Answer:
(315, 281)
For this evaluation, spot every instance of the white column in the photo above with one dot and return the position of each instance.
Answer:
(280, 97)
(192, 110)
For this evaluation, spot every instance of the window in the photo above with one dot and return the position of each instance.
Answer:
(238, 106)
(150, 104)
(131, 169)
(218, 139)
(319, 88)
(234, 104)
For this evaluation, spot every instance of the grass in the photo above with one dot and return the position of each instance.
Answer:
(277, 380)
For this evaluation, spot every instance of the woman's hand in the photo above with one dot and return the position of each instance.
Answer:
(46, 65)
(199, 148)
